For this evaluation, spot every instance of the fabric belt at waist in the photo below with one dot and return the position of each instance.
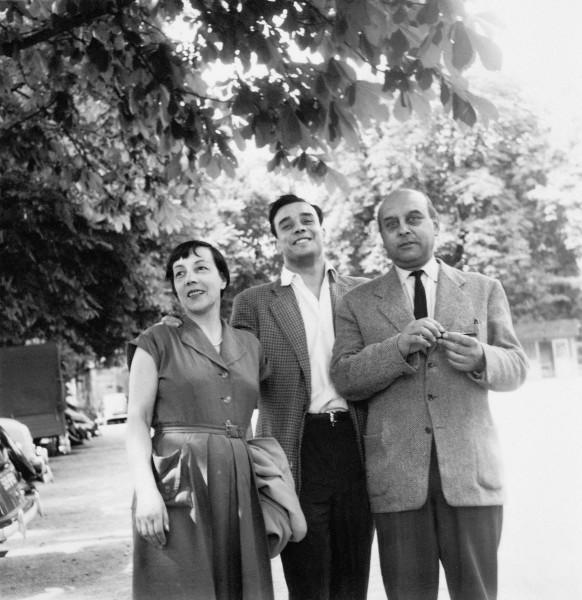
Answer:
(228, 429)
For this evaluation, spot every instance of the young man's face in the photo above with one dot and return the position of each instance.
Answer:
(299, 233)
(407, 229)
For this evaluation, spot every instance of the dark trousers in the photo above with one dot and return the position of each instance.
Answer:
(464, 539)
(332, 562)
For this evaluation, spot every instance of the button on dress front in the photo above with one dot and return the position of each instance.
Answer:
(216, 547)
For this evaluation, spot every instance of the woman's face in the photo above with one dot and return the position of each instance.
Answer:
(198, 282)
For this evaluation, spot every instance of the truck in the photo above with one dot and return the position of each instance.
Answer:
(32, 391)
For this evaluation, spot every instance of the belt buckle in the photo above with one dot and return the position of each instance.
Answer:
(332, 417)
(232, 431)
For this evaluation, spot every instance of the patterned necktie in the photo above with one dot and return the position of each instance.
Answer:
(420, 309)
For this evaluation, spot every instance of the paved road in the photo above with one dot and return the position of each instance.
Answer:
(541, 434)
(81, 550)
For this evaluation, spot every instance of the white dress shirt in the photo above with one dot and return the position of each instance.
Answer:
(317, 315)
(429, 280)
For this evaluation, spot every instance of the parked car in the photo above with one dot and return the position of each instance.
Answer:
(19, 502)
(36, 455)
(80, 426)
(115, 407)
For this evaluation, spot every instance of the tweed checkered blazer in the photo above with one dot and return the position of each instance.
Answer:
(412, 401)
(270, 311)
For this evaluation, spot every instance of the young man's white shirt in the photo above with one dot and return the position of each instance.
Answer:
(317, 315)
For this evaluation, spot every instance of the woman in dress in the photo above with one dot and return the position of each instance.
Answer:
(198, 528)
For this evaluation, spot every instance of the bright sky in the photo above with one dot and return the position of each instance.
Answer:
(542, 50)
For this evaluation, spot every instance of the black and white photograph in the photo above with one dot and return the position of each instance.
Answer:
(290, 300)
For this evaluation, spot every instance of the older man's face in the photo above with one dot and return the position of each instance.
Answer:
(407, 229)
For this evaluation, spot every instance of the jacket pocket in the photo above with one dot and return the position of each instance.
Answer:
(470, 328)
(376, 464)
(489, 463)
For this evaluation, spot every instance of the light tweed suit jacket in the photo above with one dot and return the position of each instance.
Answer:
(411, 401)
(270, 311)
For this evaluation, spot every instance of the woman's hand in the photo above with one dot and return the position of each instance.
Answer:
(151, 517)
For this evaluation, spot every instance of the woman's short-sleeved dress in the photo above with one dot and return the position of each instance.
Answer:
(216, 547)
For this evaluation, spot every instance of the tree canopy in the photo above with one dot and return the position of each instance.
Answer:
(95, 95)
(110, 128)
(65, 279)
(509, 206)
(118, 140)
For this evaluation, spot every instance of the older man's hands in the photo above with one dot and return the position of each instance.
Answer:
(419, 335)
(464, 353)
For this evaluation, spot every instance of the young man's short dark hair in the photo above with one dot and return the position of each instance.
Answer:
(282, 201)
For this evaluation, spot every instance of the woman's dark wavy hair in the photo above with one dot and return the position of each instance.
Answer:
(184, 250)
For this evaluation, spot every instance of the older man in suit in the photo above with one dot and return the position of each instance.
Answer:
(422, 346)
(320, 433)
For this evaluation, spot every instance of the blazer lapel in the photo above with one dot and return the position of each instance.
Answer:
(393, 303)
(285, 311)
(453, 308)
(337, 289)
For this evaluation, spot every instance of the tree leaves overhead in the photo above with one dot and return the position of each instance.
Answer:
(463, 110)
(92, 75)
(108, 125)
(463, 53)
(489, 53)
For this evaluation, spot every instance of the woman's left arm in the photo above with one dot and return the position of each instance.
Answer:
(151, 515)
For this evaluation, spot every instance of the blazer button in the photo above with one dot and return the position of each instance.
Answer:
(430, 365)
(428, 429)
(227, 399)
(431, 397)
(223, 374)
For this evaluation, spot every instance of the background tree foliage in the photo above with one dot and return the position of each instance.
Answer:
(95, 94)
(65, 278)
(115, 141)
(108, 129)
(510, 203)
